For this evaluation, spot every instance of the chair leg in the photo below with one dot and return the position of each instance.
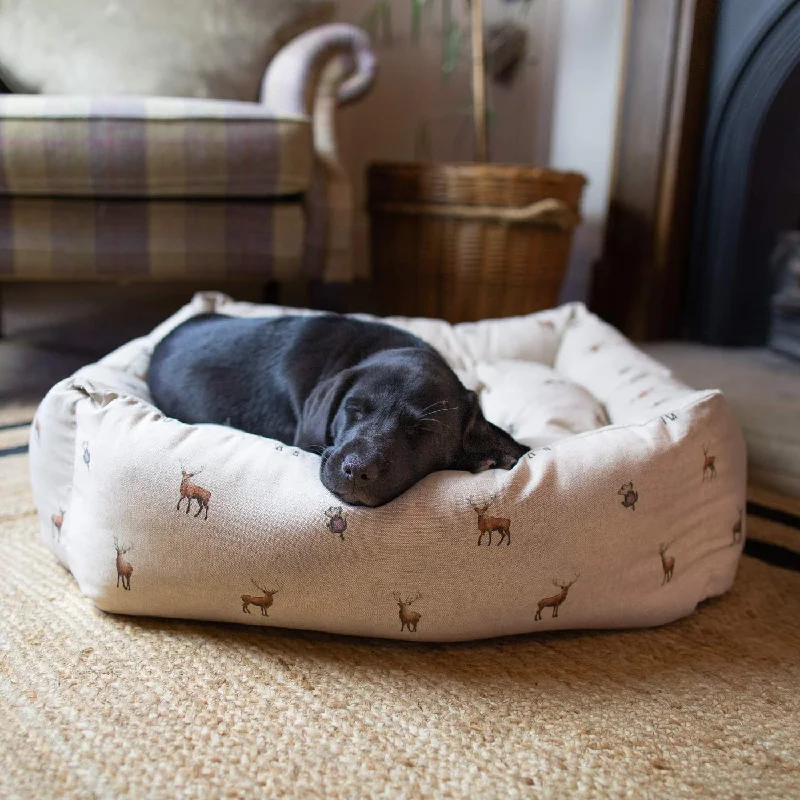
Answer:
(328, 296)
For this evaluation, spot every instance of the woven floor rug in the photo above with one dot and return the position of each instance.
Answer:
(98, 706)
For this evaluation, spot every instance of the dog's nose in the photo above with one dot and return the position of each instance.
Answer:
(359, 469)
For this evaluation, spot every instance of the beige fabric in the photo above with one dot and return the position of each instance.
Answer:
(187, 48)
(153, 147)
(763, 389)
(596, 503)
(95, 705)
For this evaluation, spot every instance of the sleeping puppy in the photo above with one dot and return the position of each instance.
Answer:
(380, 406)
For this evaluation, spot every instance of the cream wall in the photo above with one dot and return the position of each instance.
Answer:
(587, 80)
(559, 109)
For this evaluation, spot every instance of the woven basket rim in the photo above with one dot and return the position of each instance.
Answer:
(506, 171)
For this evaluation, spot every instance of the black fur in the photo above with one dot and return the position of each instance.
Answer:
(380, 406)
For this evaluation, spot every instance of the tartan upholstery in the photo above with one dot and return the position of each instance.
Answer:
(75, 239)
(150, 147)
(161, 188)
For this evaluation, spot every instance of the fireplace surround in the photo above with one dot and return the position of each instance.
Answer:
(748, 196)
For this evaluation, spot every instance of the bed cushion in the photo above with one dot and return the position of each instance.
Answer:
(627, 512)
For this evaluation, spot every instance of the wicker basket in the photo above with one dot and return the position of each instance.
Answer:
(470, 241)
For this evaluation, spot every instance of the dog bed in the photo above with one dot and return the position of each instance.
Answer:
(627, 512)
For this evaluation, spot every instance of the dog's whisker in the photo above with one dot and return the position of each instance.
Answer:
(440, 410)
(432, 405)
(437, 421)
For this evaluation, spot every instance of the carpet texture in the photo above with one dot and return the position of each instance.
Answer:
(93, 705)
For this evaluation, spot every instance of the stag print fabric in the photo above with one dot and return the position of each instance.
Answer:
(627, 512)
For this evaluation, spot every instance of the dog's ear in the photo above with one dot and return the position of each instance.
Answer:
(484, 445)
(319, 409)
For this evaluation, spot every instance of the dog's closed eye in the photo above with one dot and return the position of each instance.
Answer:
(356, 409)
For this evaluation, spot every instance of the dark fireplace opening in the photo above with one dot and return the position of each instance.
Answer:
(771, 219)
(785, 327)
(740, 287)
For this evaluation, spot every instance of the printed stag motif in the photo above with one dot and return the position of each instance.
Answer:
(337, 521)
(737, 529)
(486, 525)
(601, 419)
(124, 568)
(630, 497)
(58, 521)
(87, 458)
(667, 562)
(263, 601)
(709, 468)
(408, 619)
(556, 600)
(191, 491)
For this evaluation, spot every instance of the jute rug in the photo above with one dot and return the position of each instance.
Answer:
(99, 706)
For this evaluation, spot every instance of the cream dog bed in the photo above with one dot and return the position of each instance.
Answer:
(627, 512)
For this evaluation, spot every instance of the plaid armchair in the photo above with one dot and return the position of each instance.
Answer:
(105, 188)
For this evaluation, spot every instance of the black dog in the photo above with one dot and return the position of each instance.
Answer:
(379, 405)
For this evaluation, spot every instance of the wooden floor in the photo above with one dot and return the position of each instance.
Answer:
(50, 330)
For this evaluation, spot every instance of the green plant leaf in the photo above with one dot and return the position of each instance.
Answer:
(386, 20)
(418, 7)
(463, 109)
(369, 21)
(452, 50)
(377, 21)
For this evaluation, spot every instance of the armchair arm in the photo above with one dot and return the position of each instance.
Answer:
(311, 77)
(292, 78)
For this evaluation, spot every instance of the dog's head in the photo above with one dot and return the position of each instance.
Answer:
(397, 417)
